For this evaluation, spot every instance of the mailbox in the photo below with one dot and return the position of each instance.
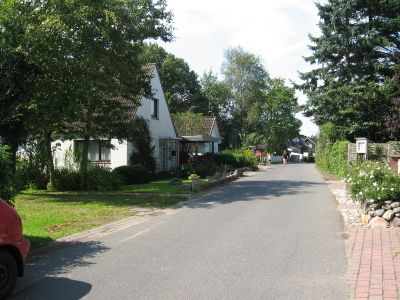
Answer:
(362, 146)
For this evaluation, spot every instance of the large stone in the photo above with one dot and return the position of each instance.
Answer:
(371, 213)
(388, 202)
(396, 210)
(388, 215)
(379, 212)
(397, 215)
(395, 222)
(386, 207)
(395, 204)
(378, 222)
(373, 206)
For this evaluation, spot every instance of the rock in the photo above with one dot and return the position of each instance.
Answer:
(373, 206)
(388, 202)
(388, 215)
(387, 207)
(378, 222)
(397, 215)
(379, 212)
(395, 204)
(371, 213)
(396, 210)
(395, 222)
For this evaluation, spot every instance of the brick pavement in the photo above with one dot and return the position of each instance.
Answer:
(374, 262)
(373, 254)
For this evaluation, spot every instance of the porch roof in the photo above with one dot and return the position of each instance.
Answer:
(200, 138)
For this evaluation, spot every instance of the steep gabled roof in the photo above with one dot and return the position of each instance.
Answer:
(188, 128)
(129, 105)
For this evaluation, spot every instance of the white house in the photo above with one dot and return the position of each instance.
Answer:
(164, 138)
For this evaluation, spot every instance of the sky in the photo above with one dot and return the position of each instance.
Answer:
(275, 30)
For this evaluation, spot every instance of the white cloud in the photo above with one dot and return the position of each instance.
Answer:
(275, 30)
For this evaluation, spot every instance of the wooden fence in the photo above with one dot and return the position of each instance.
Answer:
(388, 151)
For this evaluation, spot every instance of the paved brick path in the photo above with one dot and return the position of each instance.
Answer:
(374, 262)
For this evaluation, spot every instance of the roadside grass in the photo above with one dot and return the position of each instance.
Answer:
(50, 215)
(160, 186)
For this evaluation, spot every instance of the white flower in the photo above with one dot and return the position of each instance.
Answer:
(374, 184)
(392, 189)
(360, 193)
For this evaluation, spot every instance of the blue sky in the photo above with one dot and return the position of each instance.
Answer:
(277, 31)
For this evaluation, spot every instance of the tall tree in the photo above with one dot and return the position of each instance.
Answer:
(245, 75)
(16, 74)
(218, 95)
(181, 84)
(88, 58)
(278, 122)
(355, 56)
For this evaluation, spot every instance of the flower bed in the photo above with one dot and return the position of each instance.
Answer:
(377, 189)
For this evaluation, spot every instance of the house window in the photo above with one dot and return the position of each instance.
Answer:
(98, 150)
(154, 109)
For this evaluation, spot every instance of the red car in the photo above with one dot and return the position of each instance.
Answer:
(13, 249)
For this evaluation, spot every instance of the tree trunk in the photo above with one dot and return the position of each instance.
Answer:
(84, 162)
(49, 159)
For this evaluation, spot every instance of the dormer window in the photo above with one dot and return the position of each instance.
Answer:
(154, 109)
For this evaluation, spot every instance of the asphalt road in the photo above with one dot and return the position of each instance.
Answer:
(274, 235)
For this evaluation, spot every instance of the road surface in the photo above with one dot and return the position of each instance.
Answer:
(274, 235)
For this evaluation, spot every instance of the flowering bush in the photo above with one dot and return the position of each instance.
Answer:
(370, 180)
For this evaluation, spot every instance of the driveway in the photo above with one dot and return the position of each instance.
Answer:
(274, 235)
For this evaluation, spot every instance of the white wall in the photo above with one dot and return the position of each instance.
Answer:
(119, 153)
(62, 149)
(162, 127)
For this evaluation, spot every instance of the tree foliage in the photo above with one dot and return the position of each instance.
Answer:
(181, 84)
(80, 65)
(143, 152)
(251, 107)
(354, 58)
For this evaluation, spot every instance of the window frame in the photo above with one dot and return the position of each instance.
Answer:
(155, 109)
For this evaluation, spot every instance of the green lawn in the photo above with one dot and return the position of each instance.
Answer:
(159, 186)
(50, 215)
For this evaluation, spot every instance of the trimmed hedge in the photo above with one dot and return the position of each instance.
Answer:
(332, 158)
(99, 179)
(133, 174)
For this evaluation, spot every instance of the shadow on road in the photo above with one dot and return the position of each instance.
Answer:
(56, 288)
(249, 190)
(64, 257)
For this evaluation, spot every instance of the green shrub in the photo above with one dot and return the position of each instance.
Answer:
(30, 175)
(193, 176)
(337, 158)
(99, 179)
(133, 174)
(234, 158)
(205, 168)
(369, 180)
(143, 152)
(102, 179)
(183, 171)
(67, 180)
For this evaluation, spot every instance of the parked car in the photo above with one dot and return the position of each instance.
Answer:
(13, 249)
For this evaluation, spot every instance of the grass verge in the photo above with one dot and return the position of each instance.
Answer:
(50, 215)
(160, 186)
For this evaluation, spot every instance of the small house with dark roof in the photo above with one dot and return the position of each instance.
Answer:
(112, 153)
(199, 138)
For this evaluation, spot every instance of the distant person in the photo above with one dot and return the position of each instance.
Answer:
(269, 158)
(285, 157)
